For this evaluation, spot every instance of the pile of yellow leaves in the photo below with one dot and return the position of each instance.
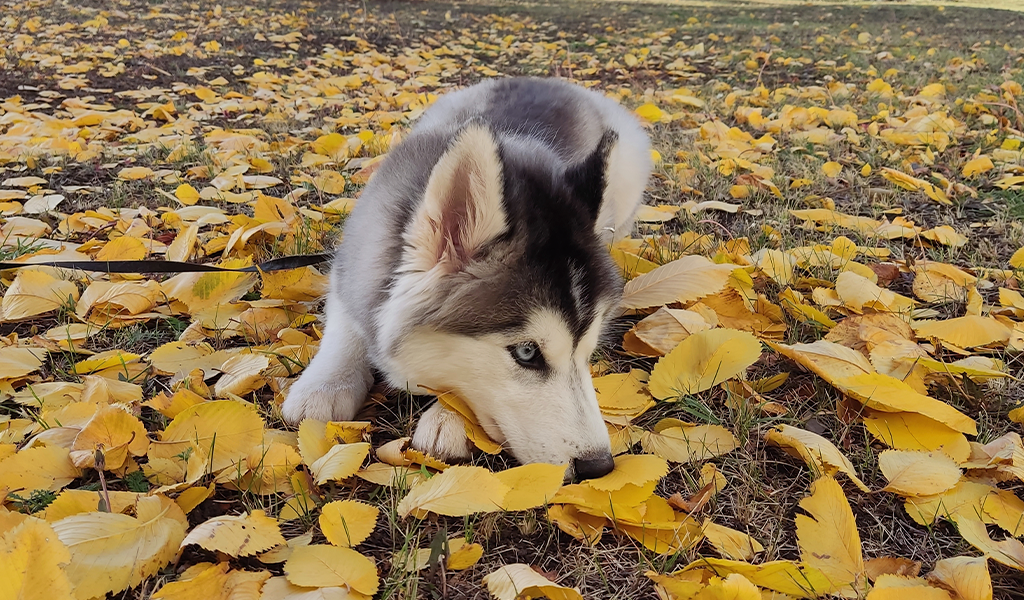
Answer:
(120, 448)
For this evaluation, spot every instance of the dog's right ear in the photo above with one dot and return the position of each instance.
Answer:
(462, 208)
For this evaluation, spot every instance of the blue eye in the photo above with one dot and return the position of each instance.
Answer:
(527, 354)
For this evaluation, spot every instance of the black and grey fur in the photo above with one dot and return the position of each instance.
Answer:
(475, 261)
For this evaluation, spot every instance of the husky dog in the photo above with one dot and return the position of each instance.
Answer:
(476, 262)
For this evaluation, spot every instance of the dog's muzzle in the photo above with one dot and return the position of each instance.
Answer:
(593, 467)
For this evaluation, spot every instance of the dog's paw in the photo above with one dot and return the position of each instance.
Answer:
(321, 401)
(441, 434)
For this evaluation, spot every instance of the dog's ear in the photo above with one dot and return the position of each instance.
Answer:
(598, 181)
(462, 208)
(587, 178)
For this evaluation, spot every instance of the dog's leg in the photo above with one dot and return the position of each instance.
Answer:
(441, 434)
(335, 383)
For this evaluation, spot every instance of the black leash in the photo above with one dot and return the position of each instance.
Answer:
(172, 266)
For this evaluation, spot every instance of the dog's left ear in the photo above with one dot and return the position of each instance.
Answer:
(597, 182)
(462, 208)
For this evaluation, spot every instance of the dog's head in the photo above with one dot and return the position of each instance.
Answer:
(508, 285)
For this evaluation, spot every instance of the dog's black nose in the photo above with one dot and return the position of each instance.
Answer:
(593, 467)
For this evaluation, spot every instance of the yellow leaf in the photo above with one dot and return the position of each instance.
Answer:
(623, 393)
(650, 112)
(945, 235)
(341, 462)
(474, 431)
(333, 145)
(530, 485)
(785, 577)
(278, 588)
(913, 431)
(211, 584)
(32, 561)
(702, 361)
(634, 469)
(242, 535)
(741, 191)
(301, 285)
(38, 468)
(1017, 260)
(184, 244)
(313, 442)
(186, 194)
(17, 362)
(112, 552)
(859, 293)
(35, 292)
(329, 182)
(455, 492)
(391, 476)
(828, 538)
(733, 587)
(465, 557)
(831, 169)
(660, 332)
(967, 576)
(241, 374)
(192, 497)
(122, 248)
(399, 453)
(896, 587)
(731, 543)
(200, 291)
(820, 454)
(689, 444)
(107, 299)
(683, 280)
(865, 171)
(912, 473)
(516, 581)
(347, 523)
(133, 173)
(981, 164)
(964, 332)
(224, 429)
(1009, 552)
(776, 264)
(828, 360)
(887, 394)
(328, 566)
(114, 431)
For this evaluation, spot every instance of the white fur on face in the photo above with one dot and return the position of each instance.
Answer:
(551, 418)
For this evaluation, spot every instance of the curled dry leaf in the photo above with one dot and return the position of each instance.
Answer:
(702, 361)
(683, 280)
(820, 454)
(515, 581)
(242, 535)
(967, 576)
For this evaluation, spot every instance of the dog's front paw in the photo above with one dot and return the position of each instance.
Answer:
(442, 434)
(322, 401)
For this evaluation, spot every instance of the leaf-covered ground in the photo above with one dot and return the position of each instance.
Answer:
(826, 380)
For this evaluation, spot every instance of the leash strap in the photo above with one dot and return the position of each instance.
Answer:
(171, 266)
